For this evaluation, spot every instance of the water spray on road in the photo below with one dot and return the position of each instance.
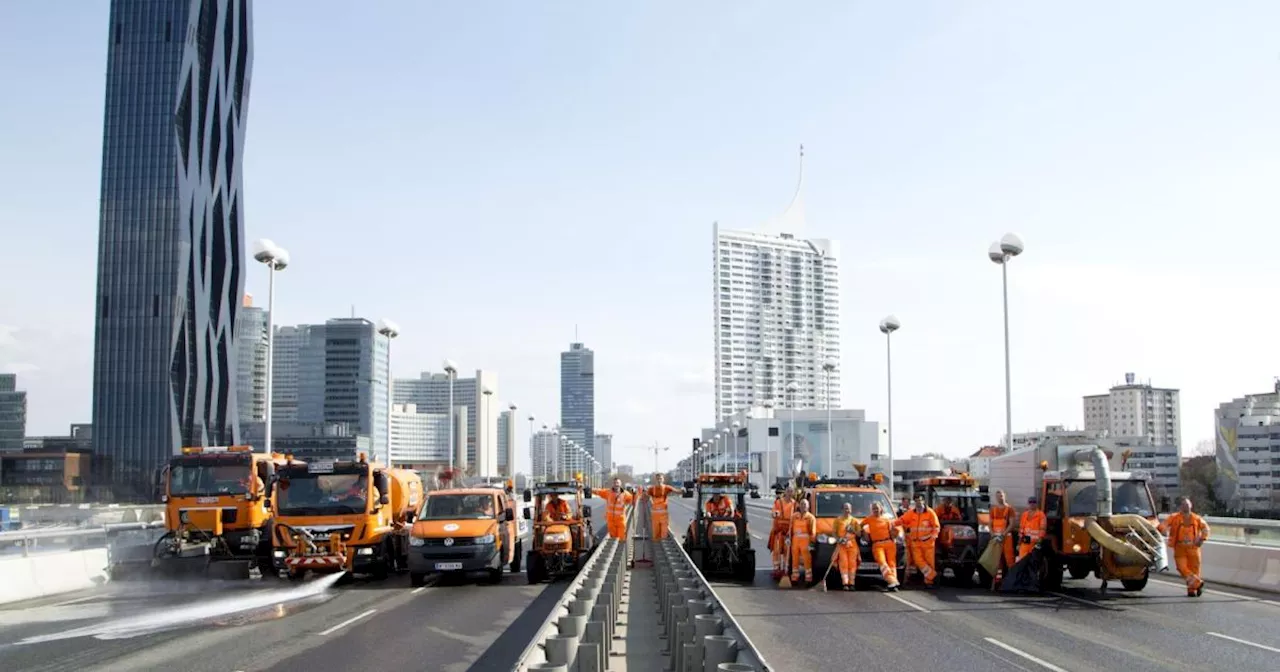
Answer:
(169, 619)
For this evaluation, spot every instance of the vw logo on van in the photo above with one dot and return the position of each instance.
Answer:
(448, 541)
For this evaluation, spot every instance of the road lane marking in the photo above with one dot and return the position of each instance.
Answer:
(347, 622)
(76, 601)
(1244, 641)
(1019, 652)
(907, 602)
(1082, 600)
(415, 591)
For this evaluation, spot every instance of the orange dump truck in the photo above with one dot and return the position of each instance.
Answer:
(344, 516)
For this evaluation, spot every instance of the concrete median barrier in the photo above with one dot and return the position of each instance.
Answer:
(45, 574)
(1256, 567)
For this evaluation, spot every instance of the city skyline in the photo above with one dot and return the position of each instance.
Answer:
(914, 189)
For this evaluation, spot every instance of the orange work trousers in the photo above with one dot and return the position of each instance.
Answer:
(847, 560)
(1007, 549)
(1025, 549)
(660, 524)
(1186, 557)
(617, 526)
(801, 558)
(886, 555)
(778, 545)
(921, 555)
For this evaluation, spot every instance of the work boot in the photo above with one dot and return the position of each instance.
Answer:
(1200, 589)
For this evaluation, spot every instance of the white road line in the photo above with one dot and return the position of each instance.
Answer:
(347, 622)
(1244, 641)
(907, 602)
(1081, 600)
(1018, 652)
(415, 591)
(76, 601)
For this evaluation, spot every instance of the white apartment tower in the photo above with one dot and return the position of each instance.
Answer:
(1135, 410)
(777, 315)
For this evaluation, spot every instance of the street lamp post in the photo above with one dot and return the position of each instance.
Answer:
(488, 412)
(511, 443)
(390, 330)
(451, 370)
(829, 366)
(736, 426)
(1001, 252)
(765, 457)
(792, 388)
(276, 259)
(889, 325)
(532, 467)
(724, 446)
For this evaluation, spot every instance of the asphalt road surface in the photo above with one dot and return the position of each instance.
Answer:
(205, 626)
(1078, 628)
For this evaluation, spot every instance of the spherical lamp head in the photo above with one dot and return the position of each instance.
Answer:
(889, 325)
(995, 253)
(829, 365)
(793, 386)
(1011, 245)
(264, 250)
(450, 366)
(388, 328)
(511, 407)
(736, 425)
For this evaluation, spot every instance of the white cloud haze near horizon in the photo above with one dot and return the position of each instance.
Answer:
(489, 180)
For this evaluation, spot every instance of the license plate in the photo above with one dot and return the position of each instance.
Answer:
(446, 566)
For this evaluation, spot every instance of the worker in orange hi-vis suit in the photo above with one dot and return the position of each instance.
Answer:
(1002, 518)
(1187, 533)
(846, 529)
(1032, 526)
(947, 510)
(616, 501)
(922, 528)
(556, 509)
(804, 527)
(783, 508)
(882, 531)
(658, 493)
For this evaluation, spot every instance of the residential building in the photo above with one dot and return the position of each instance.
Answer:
(604, 450)
(251, 362)
(1136, 409)
(419, 440)
(1248, 451)
(777, 315)
(979, 463)
(13, 414)
(430, 393)
(506, 441)
(288, 349)
(170, 240)
(578, 396)
(1052, 432)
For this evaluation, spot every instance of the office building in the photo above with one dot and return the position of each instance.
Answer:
(777, 320)
(356, 379)
(1247, 430)
(544, 447)
(1136, 410)
(170, 238)
(419, 440)
(578, 396)
(312, 440)
(506, 441)
(1023, 440)
(430, 394)
(13, 414)
(604, 451)
(770, 440)
(251, 362)
(287, 351)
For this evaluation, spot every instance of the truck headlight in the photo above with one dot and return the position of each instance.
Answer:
(984, 529)
(277, 554)
(417, 541)
(487, 539)
(367, 550)
(552, 538)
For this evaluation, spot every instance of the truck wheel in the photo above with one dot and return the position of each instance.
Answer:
(1079, 571)
(984, 579)
(297, 576)
(417, 580)
(495, 575)
(1134, 584)
(517, 557)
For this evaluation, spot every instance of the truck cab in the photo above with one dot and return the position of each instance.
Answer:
(827, 497)
(966, 526)
(465, 531)
(344, 515)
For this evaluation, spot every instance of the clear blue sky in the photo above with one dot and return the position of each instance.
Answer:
(489, 175)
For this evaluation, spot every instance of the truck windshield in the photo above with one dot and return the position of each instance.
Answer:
(831, 504)
(457, 507)
(1126, 497)
(306, 494)
(209, 477)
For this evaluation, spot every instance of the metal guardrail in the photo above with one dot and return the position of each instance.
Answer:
(28, 538)
(700, 631)
(579, 632)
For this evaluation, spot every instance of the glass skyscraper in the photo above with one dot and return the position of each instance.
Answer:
(170, 249)
(578, 396)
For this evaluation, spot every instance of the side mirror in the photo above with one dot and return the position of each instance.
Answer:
(586, 512)
(686, 494)
(384, 500)
(755, 494)
(586, 493)
(528, 495)
(528, 513)
(410, 517)
(508, 515)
